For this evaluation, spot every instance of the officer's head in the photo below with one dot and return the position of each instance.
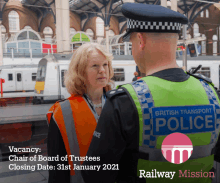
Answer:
(152, 29)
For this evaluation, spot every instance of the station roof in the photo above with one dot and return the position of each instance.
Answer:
(2, 5)
(40, 7)
(87, 9)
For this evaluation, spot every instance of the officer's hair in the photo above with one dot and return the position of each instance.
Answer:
(160, 36)
(75, 77)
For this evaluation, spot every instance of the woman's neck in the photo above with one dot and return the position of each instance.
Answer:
(95, 95)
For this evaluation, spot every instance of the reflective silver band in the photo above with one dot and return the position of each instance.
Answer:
(94, 113)
(72, 138)
(153, 25)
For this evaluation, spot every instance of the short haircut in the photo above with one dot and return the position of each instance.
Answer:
(74, 78)
(158, 35)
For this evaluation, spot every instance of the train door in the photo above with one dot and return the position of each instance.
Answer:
(63, 90)
(9, 77)
(18, 81)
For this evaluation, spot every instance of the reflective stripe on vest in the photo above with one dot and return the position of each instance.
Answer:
(50, 113)
(76, 127)
(144, 102)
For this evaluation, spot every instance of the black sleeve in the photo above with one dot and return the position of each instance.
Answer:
(217, 153)
(115, 141)
(217, 146)
(55, 146)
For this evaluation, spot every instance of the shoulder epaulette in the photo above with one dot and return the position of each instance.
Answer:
(200, 76)
(114, 92)
(119, 86)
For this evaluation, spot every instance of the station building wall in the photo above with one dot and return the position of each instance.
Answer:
(28, 17)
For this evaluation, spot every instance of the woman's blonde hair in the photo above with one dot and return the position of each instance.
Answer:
(74, 78)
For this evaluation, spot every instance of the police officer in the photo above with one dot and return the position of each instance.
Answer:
(135, 76)
(138, 116)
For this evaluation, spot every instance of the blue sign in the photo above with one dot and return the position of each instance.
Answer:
(183, 119)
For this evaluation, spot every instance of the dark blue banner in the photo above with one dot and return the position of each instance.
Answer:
(184, 119)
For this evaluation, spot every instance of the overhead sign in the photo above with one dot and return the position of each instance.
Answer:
(49, 47)
(76, 38)
(80, 37)
(85, 38)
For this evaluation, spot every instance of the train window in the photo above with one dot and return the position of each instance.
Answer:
(41, 73)
(34, 76)
(18, 76)
(204, 71)
(62, 77)
(10, 77)
(119, 74)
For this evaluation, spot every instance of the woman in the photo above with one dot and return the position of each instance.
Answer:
(73, 121)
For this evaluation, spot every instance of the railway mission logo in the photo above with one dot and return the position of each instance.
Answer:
(177, 148)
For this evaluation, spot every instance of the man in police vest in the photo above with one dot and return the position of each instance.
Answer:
(138, 116)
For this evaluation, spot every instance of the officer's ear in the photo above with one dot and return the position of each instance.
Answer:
(142, 40)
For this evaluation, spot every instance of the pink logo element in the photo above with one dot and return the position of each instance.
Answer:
(177, 148)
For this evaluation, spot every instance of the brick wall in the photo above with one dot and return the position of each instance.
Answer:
(205, 24)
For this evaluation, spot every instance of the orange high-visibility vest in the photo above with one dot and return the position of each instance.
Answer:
(50, 113)
(76, 123)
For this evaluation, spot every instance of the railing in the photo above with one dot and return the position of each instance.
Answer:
(28, 53)
(6, 37)
(121, 49)
(116, 49)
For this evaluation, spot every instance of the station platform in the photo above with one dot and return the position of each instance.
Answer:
(33, 130)
(17, 94)
(19, 98)
(23, 113)
(23, 176)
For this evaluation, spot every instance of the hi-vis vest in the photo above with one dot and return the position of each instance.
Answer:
(164, 107)
(76, 123)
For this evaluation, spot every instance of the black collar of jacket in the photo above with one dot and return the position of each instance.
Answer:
(173, 74)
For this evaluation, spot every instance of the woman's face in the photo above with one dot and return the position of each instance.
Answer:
(97, 71)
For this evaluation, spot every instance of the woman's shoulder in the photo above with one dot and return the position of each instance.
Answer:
(59, 103)
(56, 107)
(74, 96)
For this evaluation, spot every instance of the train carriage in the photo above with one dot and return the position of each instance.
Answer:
(50, 86)
(18, 77)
